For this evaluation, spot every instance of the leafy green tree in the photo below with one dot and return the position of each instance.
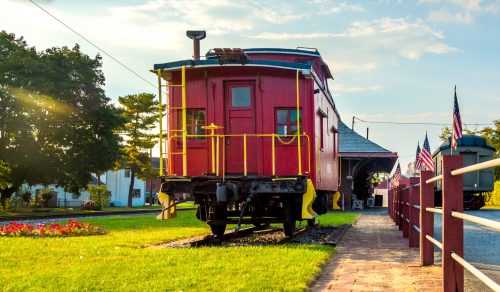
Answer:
(56, 124)
(492, 136)
(100, 195)
(140, 114)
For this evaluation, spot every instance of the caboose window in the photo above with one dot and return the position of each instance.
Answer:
(195, 119)
(286, 121)
(240, 97)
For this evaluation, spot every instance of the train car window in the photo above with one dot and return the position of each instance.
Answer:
(335, 147)
(195, 119)
(240, 97)
(322, 119)
(286, 121)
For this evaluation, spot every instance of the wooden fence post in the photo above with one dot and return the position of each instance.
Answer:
(426, 219)
(389, 202)
(400, 209)
(414, 214)
(406, 212)
(453, 228)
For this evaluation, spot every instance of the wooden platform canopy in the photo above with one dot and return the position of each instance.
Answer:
(360, 159)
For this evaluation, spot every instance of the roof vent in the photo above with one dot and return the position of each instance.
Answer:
(196, 36)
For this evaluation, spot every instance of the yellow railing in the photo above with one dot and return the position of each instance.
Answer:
(213, 136)
(215, 153)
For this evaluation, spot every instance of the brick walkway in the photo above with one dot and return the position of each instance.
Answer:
(374, 256)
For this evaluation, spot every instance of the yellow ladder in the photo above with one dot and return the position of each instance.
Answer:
(167, 76)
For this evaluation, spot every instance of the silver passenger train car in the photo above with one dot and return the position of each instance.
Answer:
(478, 185)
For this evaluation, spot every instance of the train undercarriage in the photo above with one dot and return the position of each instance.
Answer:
(257, 200)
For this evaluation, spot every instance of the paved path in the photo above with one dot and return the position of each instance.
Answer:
(374, 256)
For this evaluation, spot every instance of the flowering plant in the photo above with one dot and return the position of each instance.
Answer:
(42, 229)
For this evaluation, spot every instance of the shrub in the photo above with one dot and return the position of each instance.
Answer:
(100, 195)
(72, 228)
(44, 196)
(495, 195)
(90, 205)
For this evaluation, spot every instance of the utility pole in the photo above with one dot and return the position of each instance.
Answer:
(353, 123)
(367, 131)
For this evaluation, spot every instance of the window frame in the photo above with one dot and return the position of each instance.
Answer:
(322, 117)
(127, 172)
(288, 123)
(191, 127)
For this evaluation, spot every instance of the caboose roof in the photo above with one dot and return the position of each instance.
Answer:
(355, 145)
(176, 65)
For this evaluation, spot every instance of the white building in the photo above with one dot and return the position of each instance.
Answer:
(117, 182)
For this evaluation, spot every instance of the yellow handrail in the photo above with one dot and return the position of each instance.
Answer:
(184, 133)
(245, 136)
(158, 72)
(299, 154)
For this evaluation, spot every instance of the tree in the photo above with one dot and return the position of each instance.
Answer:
(56, 124)
(140, 115)
(492, 136)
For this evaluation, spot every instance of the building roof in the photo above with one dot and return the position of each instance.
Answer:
(351, 144)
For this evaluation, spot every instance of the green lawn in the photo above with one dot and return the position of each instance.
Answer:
(117, 260)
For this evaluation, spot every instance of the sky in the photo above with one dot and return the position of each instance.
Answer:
(392, 61)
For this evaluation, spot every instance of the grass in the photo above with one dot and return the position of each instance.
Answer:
(45, 211)
(117, 261)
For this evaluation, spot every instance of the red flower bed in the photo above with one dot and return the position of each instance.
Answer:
(72, 228)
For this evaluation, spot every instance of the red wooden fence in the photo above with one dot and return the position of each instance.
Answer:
(412, 209)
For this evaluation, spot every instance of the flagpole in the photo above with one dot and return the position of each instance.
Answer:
(452, 123)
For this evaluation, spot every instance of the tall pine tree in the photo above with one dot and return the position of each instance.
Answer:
(140, 115)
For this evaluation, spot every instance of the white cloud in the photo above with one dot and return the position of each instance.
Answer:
(354, 67)
(292, 36)
(343, 88)
(461, 11)
(447, 16)
(410, 39)
(328, 8)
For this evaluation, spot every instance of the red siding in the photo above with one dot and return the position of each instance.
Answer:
(274, 88)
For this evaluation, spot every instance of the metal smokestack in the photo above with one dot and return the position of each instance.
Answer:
(196, 36)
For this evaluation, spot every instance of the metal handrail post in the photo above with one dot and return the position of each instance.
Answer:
(453, 228)
(184, 127)
(426, 219)
(158, 72)
(299, 153)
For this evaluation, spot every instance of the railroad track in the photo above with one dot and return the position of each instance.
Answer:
(245, 236)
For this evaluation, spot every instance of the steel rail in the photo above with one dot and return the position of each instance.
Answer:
(476, 167)
(434, 210)
(478, 220)
(436, 178)
(434, 241)
(416, 228)
(485, 279)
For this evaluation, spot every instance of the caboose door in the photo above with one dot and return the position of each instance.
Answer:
(240, 119)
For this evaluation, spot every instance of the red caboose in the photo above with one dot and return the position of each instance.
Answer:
(252, 135)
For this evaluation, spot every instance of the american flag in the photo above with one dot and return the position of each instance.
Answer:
(396, 176)
(425, 155)
(418, 163)
(457, 123)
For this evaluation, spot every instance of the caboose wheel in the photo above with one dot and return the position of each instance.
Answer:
(311, 222)
(219, 213)
(289, 217)
(218, 230)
